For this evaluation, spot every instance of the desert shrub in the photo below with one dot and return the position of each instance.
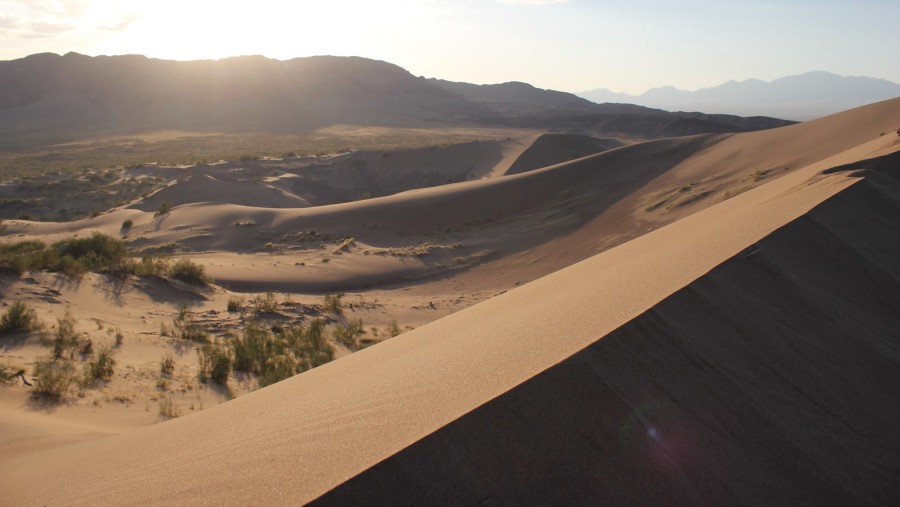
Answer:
(348, 334)
(151, 265)
(167, 365)
(120, 338)
(252, 349)
(22, 256)
(265, 304)
(54, 378)
(186, 328)
(85, 346)
(310, 345)
(163, 208)
(127, 224)
(189, 272)
(167, 407)
(274, 356)
(99, 252)
(19, 317)
(277, 369)
(103, 365)
(215, 363)
(394, 328)
(235, 304)
(333, 303)
(72, 256)
(65, 341)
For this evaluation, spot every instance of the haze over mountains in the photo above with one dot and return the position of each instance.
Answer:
(582, 306)
(47, 96)
(801, 97)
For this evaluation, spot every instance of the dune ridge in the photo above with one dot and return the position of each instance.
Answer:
(767, 381)
(298, 439)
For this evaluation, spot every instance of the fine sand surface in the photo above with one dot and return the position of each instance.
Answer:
(738, 347)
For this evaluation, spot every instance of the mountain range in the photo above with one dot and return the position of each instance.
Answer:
(801, 97)
(53, 98)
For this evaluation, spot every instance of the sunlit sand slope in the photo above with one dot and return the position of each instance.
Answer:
(744, 354)
(769, 380)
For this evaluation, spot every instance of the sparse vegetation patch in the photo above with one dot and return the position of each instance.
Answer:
(19, 317)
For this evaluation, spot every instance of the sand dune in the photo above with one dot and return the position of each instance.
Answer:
(744, 353)
(552, 149)
(206, 188)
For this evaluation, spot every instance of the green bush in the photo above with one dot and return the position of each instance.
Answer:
(99, 252)
(54, 378)
(189, 272)
(73, 256)
(215, 363)
(163, 208)
(65, 340)
(274, 356)
(19, 317)
(127, 224)
(151, 265)
(103, 365)
(235, 304)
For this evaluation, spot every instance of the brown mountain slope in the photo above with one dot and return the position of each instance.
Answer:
(48, 98)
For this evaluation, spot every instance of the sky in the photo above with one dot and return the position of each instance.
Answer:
(569, 45)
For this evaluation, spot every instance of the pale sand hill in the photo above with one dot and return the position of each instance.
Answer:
(303, 437)
(552, 149)
(767, 381)
(515, 228)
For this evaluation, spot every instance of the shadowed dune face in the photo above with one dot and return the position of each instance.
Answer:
(552, 149)
(768, 381)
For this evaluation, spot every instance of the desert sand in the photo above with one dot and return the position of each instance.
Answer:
(699, 320)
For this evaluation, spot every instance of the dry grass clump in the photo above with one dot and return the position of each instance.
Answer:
(167, 365)
(19, 317)
(273, 355)
(215, 363)
(54, 379)
(65, 341)
(348, 335)
(394, 328)
(265, 304)
(167, 408)
(189, 272)
(334, 303)
(235, 304)
(186, 328)
(102, 366)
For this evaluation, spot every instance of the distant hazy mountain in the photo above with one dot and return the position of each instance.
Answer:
(52, 98)
(800, 97)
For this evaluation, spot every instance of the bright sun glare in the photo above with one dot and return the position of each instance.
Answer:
(212, 29)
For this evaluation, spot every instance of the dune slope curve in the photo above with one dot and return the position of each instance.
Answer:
(744, 354)
(768, 381)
